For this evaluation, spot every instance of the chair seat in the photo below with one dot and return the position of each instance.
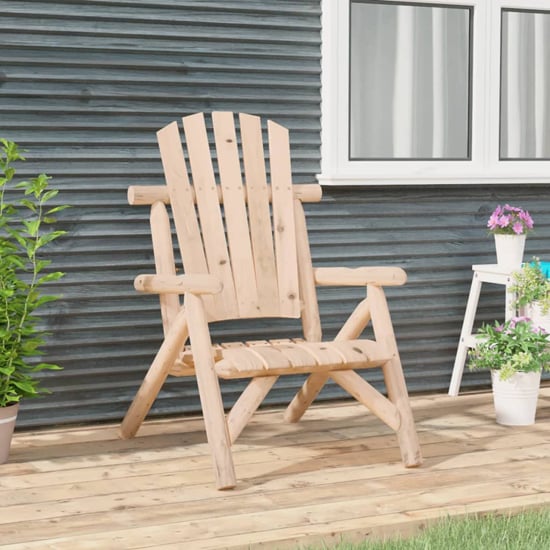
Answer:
(279, 357)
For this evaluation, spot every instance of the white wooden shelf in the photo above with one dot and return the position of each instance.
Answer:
(483, 273)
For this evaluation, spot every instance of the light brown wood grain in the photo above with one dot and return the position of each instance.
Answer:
(283, 220)
(163, 250)
(143, 195)
(253, 260)
(235, 213)
(211, 223)
(258, 199)
(300, 484)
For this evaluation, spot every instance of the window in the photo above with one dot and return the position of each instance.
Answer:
(438, 91)
(417, 108)
(525, 85)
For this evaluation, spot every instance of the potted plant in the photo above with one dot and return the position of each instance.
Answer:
(532, 293)
(510, 225)
(25, 229)
(515, 352)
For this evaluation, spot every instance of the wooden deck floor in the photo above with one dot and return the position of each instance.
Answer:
(335, 474)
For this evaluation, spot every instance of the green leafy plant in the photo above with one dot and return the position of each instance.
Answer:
(25, 228)
(531, 285)
(514, 346)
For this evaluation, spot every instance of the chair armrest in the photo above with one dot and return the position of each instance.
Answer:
(178, 284)
(359, 276)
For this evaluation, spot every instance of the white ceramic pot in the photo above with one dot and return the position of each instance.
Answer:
(7, 424)
(509, 249)
(534, 312)
(516, 398)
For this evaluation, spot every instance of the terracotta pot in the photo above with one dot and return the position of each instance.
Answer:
(516, 398)
(7, 424)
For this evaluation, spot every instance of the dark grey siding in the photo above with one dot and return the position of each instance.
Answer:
(436, 234)
(84, 85)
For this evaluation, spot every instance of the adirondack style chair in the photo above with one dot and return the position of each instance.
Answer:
(254, 261)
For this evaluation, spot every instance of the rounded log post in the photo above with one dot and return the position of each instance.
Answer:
(155, 377)
(210, 394)
(314, 383)
(394, 378)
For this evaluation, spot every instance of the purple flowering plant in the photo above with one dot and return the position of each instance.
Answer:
(514, 346)
(510, 220)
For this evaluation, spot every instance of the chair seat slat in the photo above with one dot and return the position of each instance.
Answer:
(240, 360)
(297, 356)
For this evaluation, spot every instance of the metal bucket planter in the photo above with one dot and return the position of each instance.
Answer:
(516, 398)
(7, 424)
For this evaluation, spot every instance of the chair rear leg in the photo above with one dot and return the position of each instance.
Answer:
(247, 404)
(394, 378)
(305, 396)
(311, 388)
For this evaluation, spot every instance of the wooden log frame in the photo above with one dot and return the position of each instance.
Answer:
(254, 261)
(147, 195)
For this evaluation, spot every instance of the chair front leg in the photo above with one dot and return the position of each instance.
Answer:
(394, 378)
(156, 376)
(210, 394)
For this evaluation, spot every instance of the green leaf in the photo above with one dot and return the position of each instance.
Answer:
(57, 209)
(28, 204)
(48, 195)
(49, 237)
(9, 173)
(55, 276)
(32, 226)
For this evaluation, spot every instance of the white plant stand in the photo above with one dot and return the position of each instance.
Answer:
(483, 273)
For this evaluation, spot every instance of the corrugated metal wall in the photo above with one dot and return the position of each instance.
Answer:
(84, 85)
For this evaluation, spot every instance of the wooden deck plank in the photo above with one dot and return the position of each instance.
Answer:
(455, 455)
(248, 520)
(350, 455)
(336, 473)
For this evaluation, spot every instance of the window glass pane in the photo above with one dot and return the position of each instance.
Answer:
(409, 81)
(525, 86)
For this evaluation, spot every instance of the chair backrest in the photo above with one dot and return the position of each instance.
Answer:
(240, 229)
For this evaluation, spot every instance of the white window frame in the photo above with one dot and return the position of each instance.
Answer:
(484, 165)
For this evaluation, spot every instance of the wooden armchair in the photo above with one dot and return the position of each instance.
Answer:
(252, 260)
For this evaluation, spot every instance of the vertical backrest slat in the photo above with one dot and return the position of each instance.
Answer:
(236, 219)
(259, 214)
(181, 200)
(283, 219)
(211, 222)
